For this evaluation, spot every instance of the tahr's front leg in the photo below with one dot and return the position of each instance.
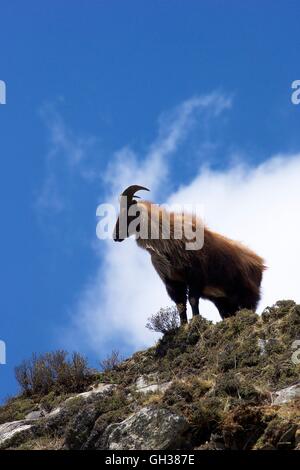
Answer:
(194, 299)
(182, 312)
(194, 303)
(177, 290)
(178, 293)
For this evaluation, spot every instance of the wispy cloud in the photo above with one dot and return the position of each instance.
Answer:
(68, 157)
(174, 126)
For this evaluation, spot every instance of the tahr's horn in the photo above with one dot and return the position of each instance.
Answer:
(131, 190)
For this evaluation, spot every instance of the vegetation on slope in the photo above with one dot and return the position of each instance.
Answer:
(221, 378)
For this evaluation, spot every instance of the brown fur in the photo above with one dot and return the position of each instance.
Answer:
(223, 271)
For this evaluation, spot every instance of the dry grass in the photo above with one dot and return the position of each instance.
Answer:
(43, 443)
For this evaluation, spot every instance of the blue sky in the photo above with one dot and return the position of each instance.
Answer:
(85, 80)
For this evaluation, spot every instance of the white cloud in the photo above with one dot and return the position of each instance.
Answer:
(259, 206)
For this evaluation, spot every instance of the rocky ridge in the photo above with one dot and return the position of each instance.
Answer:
(230, 385)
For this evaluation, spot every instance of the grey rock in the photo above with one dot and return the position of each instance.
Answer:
(73, 418)
(145, 384)
(8, 431)
(96, 390)
(141, 382)
(80, 427)
(54, 412)
(151, 428)
(155, 387)
(58, 419)
(33, 415)
(81, 423)
(286, 395)
(262, 346)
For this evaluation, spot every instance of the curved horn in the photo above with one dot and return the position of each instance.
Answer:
(129, 192)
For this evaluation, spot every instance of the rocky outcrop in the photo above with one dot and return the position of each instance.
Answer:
(230, 385)
(285, 395)
(33, 415)
(97, 389)
(9, 431)
(150, 428)
(150, 383)
(41, 422)
(80, 427)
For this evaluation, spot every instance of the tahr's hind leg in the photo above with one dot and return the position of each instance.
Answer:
(227, 307)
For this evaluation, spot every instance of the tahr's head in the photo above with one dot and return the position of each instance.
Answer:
(127, 213)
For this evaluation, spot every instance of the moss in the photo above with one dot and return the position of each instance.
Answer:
(179, 392)
(53, 400)
(190, 400)
(278, 310)
(278, 434)
(81, 431)
(112, 401)
(205, 418)
(233, 385)
(74, 405)
(97, 438)
(17, 408)
(248, 352)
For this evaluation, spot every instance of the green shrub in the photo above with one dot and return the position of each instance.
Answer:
(166, 320)
(53, 372)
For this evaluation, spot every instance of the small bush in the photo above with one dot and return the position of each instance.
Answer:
(111, 362)
(53, 372)
(166, 320)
